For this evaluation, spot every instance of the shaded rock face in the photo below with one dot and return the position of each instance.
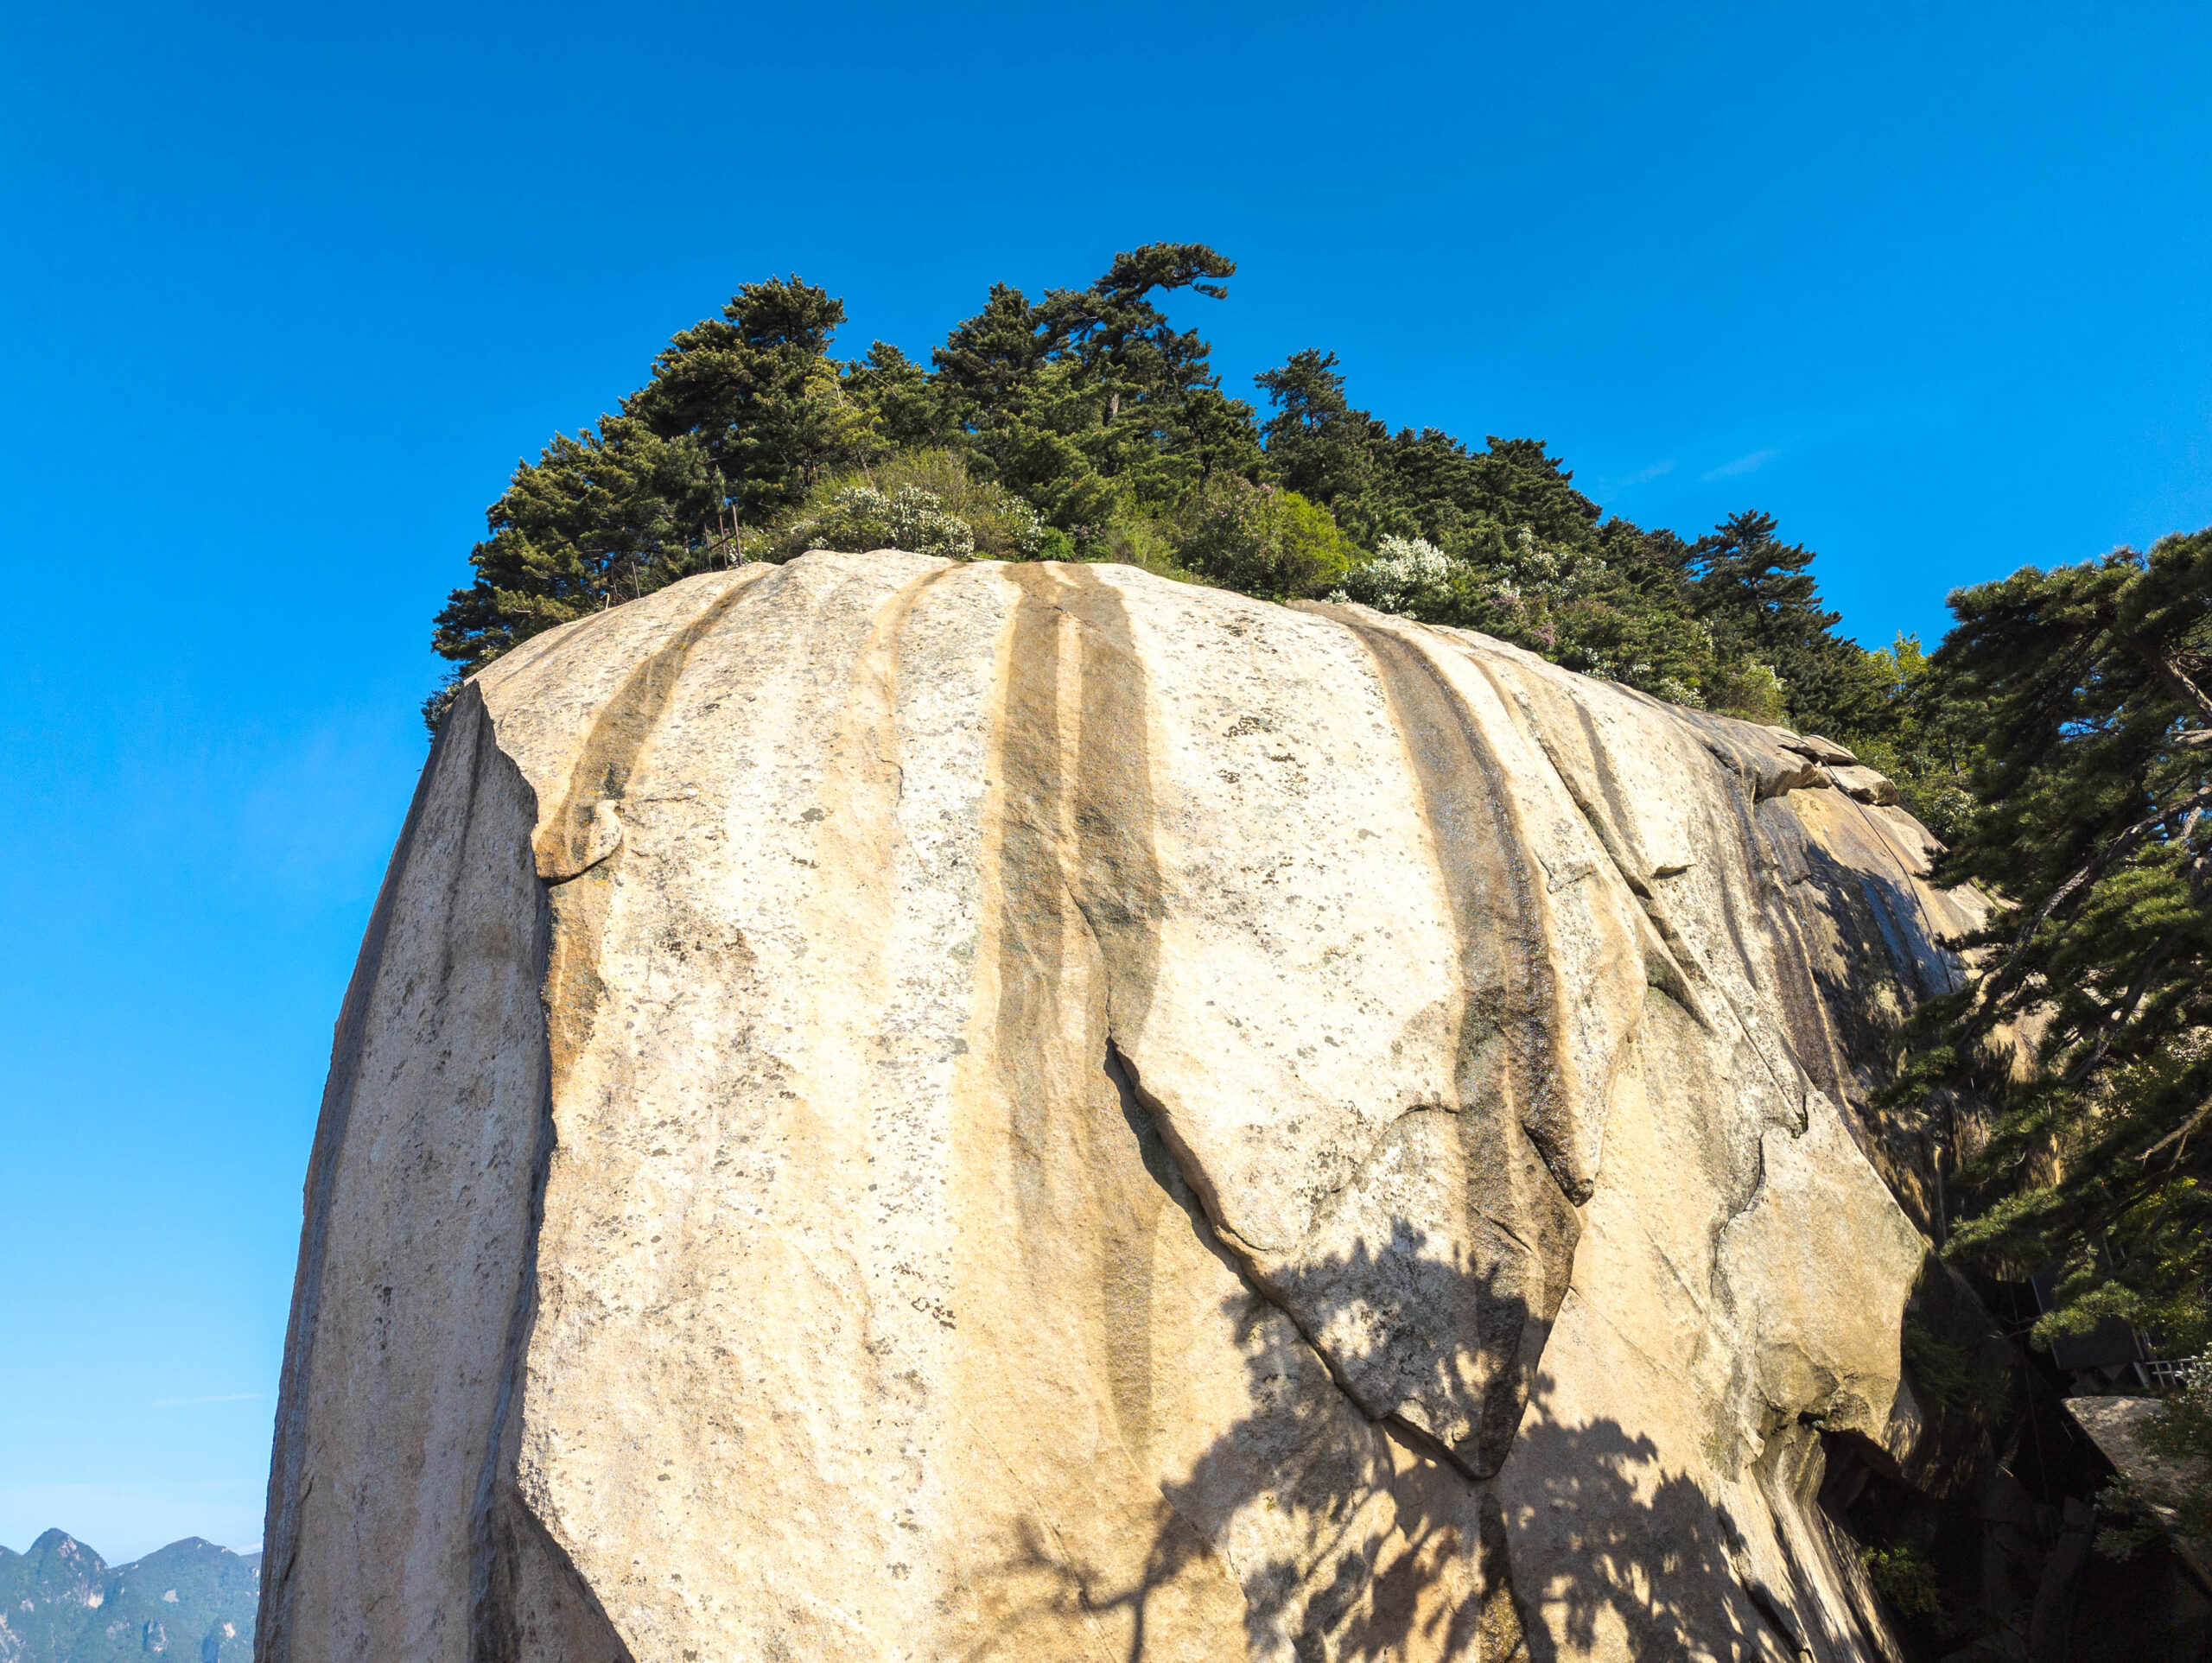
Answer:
(894, 1109)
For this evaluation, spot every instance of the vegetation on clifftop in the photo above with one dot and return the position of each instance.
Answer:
(1083, 425)
(2056, 740)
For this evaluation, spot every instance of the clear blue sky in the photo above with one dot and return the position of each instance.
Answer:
(288, 290)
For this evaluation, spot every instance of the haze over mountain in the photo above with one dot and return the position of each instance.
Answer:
(60, 1602)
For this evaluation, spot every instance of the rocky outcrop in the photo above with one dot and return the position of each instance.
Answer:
(2161, 1481)
(901, 1109)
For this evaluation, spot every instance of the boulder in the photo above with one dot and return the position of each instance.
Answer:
(1866, 785)
(901, 1109)
(1813, 745)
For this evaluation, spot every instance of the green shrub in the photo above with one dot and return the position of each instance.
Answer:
(1132, 537)
(1952, 1376)
(1749, 690)
(1903, 1576)
(2182, 1431)
(1261, 539)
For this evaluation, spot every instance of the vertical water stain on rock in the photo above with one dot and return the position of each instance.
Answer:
(1030, 758)
(1080, 1139)
(1520, 1173)
(580, 837)
(1116, 879)
(1080, 889)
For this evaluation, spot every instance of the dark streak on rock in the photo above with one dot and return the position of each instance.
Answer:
(1522, 1180)
(1117, 868)
(1510, 1050)
(599, 776)
(1077, 873)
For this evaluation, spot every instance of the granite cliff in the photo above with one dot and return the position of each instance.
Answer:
(899, 1109)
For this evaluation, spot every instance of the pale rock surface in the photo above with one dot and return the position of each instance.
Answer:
(1866, 784)
(1813, 745)
(895, 1109)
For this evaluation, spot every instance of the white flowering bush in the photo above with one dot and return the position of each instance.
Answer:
(924, 501)
(1568, 604)
(1404, 572)
(1024, 526)
(1515, 587)
(860, 517)
(1639, 674)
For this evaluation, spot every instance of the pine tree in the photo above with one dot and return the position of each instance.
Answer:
(906, 407)
(1125, 352)
(1092, 398)
(607, 515)
(755, 387)
(1514, 481)
(1759, 597)
(2095, 781)
(743, 413)
(1318, 444)
(988, 365)
(1756, 587)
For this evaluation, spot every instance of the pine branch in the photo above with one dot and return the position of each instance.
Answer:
(2178, 1132)
(2113, 1017)
(2170, 675)
(2124, 844)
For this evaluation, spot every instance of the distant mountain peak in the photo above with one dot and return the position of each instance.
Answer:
(60, 1602)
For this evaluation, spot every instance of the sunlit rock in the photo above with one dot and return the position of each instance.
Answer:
(898, 1109)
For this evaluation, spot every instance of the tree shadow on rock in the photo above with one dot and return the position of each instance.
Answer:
(1617, 1551)
(1335, 1530)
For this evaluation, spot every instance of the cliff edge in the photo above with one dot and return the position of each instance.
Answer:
(899, 1109)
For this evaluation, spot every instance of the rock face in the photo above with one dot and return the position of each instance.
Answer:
(895, 1109)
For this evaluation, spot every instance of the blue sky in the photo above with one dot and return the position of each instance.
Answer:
(288, 291)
